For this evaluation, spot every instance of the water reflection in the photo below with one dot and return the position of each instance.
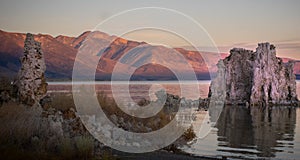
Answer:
(256, 131)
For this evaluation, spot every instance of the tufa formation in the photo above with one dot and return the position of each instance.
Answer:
(256, 78)
(31, 82)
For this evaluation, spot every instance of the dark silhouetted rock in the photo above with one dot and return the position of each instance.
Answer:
(256, 78)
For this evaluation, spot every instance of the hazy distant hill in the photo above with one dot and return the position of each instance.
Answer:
(60, 53)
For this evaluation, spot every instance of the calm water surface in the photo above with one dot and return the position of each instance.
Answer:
(254, 133)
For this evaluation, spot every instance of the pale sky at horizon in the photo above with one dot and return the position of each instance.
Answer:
(229, 23)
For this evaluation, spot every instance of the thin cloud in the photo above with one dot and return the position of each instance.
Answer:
(287, 48)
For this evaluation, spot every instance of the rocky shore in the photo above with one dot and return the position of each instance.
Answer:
(61, 132)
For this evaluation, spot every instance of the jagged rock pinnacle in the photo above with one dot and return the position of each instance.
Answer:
(32, 85)
(255, 78)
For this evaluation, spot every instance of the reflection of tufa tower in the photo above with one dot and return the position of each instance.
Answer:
(256, 129)
(254, 77)
(273, 128)
(31, 83)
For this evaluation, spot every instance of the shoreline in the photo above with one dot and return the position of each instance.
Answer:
(127, 82)
(163, 155)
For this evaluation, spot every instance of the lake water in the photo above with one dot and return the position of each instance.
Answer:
(255, 133)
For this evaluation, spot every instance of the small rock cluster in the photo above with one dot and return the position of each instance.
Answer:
(66, 123)
(174, 101)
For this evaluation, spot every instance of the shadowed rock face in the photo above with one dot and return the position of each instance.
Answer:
(254, 77)
(31, 82)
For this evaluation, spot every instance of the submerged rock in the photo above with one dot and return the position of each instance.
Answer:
(256, 78)
(31, 82)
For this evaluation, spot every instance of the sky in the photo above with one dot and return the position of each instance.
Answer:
(230, 23)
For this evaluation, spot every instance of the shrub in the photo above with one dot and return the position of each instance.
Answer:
(19, 123)
(67, 149)
(189, 134)
(85, 146)
(107, 155)
(62, 101)
(5, 84)
(23, 132)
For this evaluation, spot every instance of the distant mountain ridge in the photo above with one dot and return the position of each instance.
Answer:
(60, 53)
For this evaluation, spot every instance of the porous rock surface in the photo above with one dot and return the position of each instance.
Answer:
(256, 78)
(31, 82)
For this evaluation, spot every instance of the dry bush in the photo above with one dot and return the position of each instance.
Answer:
(5, 90)
(108, 155)
(23, 132)
(67, 149)
(5, 84)
(85, 146)
(19, 123)
(62, 101)
(189, 134)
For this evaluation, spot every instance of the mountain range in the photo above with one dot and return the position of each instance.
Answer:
(60, 53)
